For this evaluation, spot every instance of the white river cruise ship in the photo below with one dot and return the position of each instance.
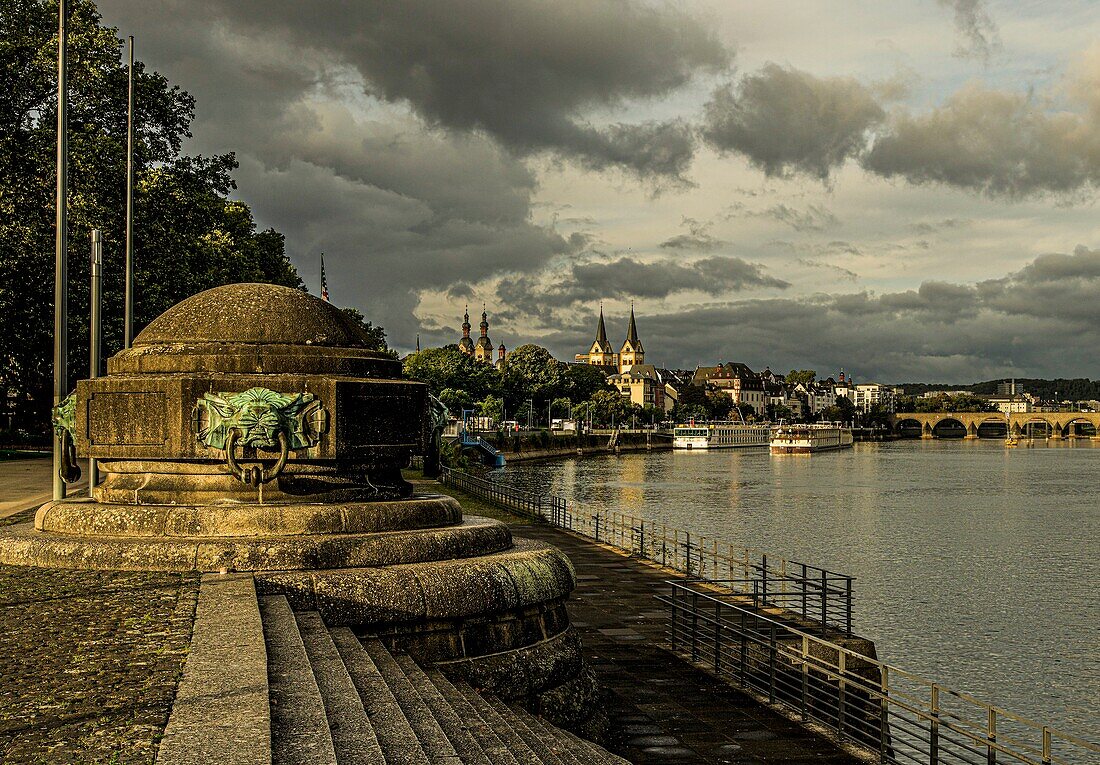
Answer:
(807, 439)
(719, 435)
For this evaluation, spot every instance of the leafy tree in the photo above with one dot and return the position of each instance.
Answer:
(188, 234)
(456, 400)
(583, 380)
(492, 406)
(561, 408)
(804, 376)
(376, 334)
(532, 373)
(609, 407)
(780, 412)
(448, 367)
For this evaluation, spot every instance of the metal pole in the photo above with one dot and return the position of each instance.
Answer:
(128, 332)
(95, 332)
(61, 266)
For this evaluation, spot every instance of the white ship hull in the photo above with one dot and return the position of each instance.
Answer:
(810, 439)
(705, 437)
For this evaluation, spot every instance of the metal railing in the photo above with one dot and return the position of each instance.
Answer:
(902, 717)
(822, 598)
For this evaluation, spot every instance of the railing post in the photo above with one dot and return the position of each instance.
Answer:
(842, 690)
(694, 626)
(805, 677)
(934, 728)
(672, 602)
(717, 638)
(744, 649)
(991, 737)
(772, 660)
(884, 715)
(764, 580)
(824, 602)
(848, 606)
(803, 583)
(1046, 745)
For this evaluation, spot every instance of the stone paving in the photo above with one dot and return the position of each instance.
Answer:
(663, 709)
(89, 661)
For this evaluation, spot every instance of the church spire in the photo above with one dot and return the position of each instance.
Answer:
(601, 334)
(632, 331)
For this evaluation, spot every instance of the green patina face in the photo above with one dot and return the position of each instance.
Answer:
(259, 415)
(64, 416)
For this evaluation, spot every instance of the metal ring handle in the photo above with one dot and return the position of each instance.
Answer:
(255, 475)
(69, 471)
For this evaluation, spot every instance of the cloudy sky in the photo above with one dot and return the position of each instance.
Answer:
(902, 188)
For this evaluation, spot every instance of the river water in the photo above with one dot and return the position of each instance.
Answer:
(976, 566)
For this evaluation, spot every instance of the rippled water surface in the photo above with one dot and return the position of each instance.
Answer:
(976, 565)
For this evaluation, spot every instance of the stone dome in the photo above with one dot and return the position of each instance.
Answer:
(254, 329)
(261, 314)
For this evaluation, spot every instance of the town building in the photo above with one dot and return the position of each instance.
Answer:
(736, 380)
(866, 395)
(644, 385)
(1011, 404)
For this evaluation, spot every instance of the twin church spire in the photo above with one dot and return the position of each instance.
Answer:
(602, 354)
(482, 350)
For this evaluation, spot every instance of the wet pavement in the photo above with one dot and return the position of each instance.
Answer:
(663, 709)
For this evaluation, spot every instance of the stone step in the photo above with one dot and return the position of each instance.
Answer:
(457, 729)
(396, 737)
(431, 735)
(483, 730)
(558, 751)
(221, 715)
(353, 738)
(578, 748)
(299, 727)
(524, 747)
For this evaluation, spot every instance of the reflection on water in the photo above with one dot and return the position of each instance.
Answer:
(976, 565)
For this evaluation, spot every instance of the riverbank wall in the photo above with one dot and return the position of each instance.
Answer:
(526, 449)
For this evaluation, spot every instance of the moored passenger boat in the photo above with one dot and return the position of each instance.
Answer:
(807, 439)
(720, 435)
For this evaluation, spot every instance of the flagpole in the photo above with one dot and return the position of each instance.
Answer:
(61, 266)
(95, 333)
(128, 310)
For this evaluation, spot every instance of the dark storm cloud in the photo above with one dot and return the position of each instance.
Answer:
(975, 26)
(627, 278)
(397, 208)
(527, 72)
(697, 238)
(786, 121)
(1016, 325)
(993, 142)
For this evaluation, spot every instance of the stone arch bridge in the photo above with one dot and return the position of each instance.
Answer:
(1061, 424)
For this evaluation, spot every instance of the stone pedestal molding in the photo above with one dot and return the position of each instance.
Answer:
(251, 429)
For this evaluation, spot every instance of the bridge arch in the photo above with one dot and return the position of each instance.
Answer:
(950, 427)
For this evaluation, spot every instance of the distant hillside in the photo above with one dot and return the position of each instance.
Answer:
(1061, 389)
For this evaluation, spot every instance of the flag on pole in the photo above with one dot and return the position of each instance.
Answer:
(324, 281)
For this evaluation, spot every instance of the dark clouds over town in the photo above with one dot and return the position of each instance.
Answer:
(906, 190)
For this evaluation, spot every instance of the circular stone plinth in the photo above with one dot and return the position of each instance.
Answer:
(87, 518)
(22, 545)
(250, 329)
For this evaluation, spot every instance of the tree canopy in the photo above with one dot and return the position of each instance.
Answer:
(189, 235)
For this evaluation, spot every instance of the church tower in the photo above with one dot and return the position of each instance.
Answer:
(632, 351)
(600, 352)
(483, 351)
(466, 345)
